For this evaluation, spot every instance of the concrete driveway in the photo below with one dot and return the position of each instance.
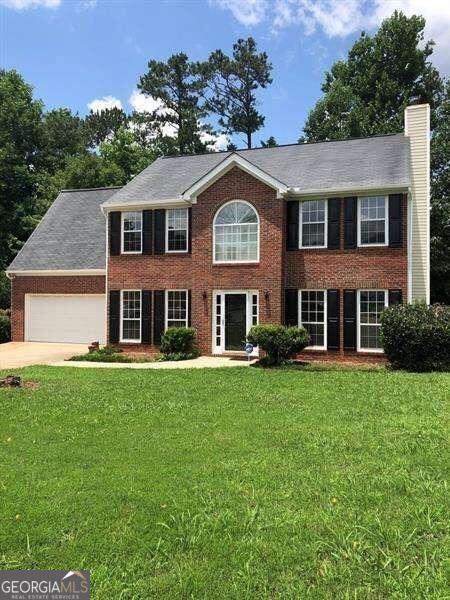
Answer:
(21, 354)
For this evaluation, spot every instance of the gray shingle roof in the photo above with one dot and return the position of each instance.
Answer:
(352, 164)
(70, 236)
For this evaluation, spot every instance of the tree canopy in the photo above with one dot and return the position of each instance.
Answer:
(366, 94)
(233, 83)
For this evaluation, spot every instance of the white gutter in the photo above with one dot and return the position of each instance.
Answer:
(55, 272)
(175, 203)
(296, 191)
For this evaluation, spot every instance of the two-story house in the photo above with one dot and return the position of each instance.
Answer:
(323, 235)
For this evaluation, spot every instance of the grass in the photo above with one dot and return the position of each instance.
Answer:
(228, 483)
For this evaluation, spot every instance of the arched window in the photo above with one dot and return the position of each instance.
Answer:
(236, 233)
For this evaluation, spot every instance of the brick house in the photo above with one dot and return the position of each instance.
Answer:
(324, 235)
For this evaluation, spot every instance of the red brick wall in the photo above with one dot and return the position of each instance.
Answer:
(197, 272)
(360, 268)
(381, 268)
(47, 285)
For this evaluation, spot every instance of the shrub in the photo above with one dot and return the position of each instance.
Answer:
(105, 354)
(5, 326)
(178, 343)
(416, 337)
(279, 342)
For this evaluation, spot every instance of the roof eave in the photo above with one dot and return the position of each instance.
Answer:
(348, 190)
(134, 205)
(53, 272)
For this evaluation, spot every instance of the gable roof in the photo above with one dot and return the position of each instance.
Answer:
(71, 235)
(381, 161)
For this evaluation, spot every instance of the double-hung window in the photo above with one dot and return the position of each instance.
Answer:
(132, 232)
(176, 308)
(373, 221)
(177, 230)
(313, 224)
(313, 316)
(371, 304)
(130, 322)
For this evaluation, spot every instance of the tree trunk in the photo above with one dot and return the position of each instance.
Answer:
(249, 139)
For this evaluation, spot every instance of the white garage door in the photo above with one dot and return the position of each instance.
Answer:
(65, 318)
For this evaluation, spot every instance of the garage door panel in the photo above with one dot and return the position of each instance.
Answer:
(65, 318)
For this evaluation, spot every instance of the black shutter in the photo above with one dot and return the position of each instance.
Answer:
(334, 212)
(395, 297)
(189, 307)
(114, 316)
(146, 334)
(160, 231)
(147, 232)
(189, 229)
(333, 319)
(349, 319)
(350, 222)
(114, 233)
(291, 307)
(292, 224)
(395, 220)
(158, 316)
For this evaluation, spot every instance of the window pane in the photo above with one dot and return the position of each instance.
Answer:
(313, 222)
(312, 316)
(372, 220)
(236, 233)
(176, 309)
(177, 229)
(131, 315)
(371, 305)
(132, 231)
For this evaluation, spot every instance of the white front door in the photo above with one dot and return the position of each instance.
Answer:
(77, 318)
(235, 311)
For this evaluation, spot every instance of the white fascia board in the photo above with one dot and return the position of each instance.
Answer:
(299, 192)
(175, 203)
(234, 160)
(55, 272)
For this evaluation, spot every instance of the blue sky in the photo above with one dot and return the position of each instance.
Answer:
(78, 52)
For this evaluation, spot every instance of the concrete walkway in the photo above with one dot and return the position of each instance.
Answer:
(197, 363)
(22, 354)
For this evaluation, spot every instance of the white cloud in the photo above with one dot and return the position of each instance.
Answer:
(24, 4)
(247, 12)
(215, 142)
(104, 103)
(144, 103)
(340, 18)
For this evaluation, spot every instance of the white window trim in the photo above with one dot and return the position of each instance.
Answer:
(358, 320)
(325, 318)
(235, 262)
(300, 224)
(249, 293)
(122, 339)
(166, 308)
(122, 233)
(187, 232)
(386, 222)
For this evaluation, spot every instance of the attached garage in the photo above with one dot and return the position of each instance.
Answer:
(69, 318)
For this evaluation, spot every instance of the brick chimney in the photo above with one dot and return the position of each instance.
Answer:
(417, 129)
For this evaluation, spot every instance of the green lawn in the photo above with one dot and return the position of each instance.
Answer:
(228, 483)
